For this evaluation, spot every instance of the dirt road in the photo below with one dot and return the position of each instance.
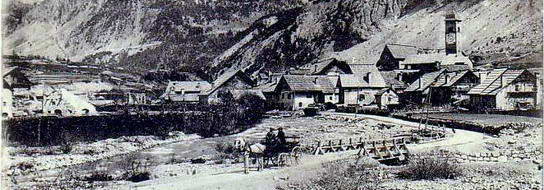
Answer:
(462, 140)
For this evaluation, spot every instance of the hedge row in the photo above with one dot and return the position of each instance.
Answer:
(207, 121)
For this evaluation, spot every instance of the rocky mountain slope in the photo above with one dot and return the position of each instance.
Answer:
(139, 33)
(356, 31)
(212, 37)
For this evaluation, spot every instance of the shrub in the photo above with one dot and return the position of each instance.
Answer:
(365, 174)
(135, 169)
(66, 148)
(430, 168)
(227, 150)
(98, 176)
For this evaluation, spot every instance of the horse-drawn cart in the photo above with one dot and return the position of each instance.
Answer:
(274, 154)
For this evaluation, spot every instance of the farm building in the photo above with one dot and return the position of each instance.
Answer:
(387, 98)
(13, 78)
(442, 87)
(185, 91)
(233, 80)
(65, 103)
(505, 89)
(361, 87)
(300, 91)
(329, 66)
(393, 54)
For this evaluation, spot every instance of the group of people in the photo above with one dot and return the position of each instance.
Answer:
(276, 142)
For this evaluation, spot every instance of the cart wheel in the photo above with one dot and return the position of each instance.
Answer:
(296, 152)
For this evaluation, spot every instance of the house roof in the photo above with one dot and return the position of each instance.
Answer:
(493, 82)
(317, 67)
(424, 81)
(390, 78)
(362, 70)
(237, 94)
(401, 51)
(192, 86)
(353, 81)
(423, 58)
(452, 78)
(455, 59)
(302, 83)
(383, 91)
(6, 70)
(222, 79)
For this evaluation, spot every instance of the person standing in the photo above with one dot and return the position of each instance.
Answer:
(281, 140)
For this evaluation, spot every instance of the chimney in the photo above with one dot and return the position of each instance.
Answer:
(315, 80)
(446, 79)
(315, 68)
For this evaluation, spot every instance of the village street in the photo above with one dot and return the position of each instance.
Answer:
(462, 140)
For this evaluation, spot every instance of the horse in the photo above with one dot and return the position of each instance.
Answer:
(256, 150)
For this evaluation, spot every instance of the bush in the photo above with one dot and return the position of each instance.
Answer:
(365, 174)
(429, 168)
(98, 176)
(139, 176)
(227, 150)
(66, 148)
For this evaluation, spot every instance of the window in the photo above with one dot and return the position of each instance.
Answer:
(361, 97)
(518, 87)
(300, 104)
(330, 97)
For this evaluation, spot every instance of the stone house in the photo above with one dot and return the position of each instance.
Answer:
(505, 89)
(233, 80)
(361, 87)
(297, 92)
(442, 87)
(387, 98)
(185, 91)
(393, 54)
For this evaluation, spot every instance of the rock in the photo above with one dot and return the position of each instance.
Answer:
(502, 159)
(199, 160)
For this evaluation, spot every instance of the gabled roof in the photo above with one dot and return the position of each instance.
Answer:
(318, 67)
(304, 83)
(424, 81)
(496, 80)
(448, 79)
(456, 59)
(423, 58)
(237, 94)
(353, 81)
(390, 78)
(192, 86)
(6, 70)
(376, 78)
(401, 51)
(225, 77)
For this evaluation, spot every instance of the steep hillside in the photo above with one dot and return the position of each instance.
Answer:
(188, 32)
(491, 30)
(210, 37)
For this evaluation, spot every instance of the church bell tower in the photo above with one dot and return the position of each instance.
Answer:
(451, 34)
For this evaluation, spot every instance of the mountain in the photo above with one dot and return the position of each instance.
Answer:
(137, 34)
(210, 37)
(356, 31)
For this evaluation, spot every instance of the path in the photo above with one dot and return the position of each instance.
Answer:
(462, 140)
